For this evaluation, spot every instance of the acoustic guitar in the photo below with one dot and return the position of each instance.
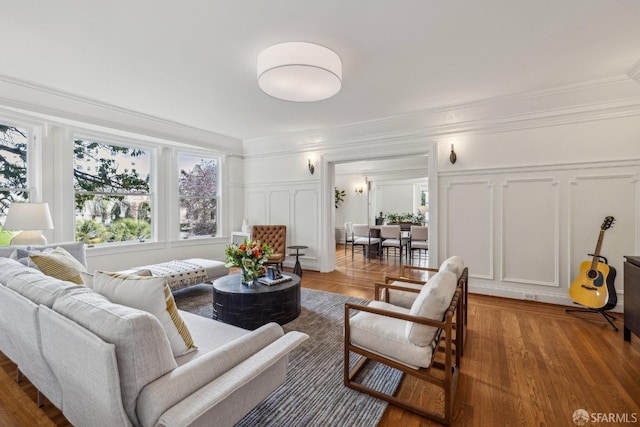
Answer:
(593, 287)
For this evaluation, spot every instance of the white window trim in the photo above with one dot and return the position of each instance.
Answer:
(175, 194)
(154, 189)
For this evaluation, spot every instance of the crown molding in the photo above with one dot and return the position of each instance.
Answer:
(145, 124)
(616, 96)
(581, 166)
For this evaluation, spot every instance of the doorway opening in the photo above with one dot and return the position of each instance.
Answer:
(375, 175)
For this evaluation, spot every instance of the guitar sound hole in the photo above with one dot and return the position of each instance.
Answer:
(592, 274)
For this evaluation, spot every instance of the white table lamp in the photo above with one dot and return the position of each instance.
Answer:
(32, 218)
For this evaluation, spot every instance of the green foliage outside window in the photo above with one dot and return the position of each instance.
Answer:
(112, 192)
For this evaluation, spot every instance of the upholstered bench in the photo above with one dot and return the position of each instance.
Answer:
(183, 273)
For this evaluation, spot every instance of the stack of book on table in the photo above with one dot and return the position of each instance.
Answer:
(266, 281)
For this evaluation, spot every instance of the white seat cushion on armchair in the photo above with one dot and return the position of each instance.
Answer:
(387, 336)
(432, 302)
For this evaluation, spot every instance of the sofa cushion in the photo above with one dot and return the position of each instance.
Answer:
(31, 283)
(432, 302)
(10, 268)
(142, 349)
(151, 294)
(59, 264)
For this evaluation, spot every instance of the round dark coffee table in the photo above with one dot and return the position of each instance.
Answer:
(250, 307)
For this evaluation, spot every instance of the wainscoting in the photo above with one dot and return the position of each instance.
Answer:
(524, 231)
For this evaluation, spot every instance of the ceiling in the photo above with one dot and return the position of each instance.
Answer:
(194, 61)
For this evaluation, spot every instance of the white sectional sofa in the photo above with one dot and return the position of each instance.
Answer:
(105, 364)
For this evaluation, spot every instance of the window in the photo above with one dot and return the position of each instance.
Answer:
(198, 192)
(112, 199)
(13, 167)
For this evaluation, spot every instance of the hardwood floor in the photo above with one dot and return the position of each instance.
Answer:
(525, 364)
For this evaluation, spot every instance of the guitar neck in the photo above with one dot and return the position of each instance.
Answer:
(596, 253)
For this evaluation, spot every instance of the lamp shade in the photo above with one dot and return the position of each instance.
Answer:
(299, 71)
(28, 216)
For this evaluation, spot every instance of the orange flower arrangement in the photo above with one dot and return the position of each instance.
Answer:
(250, 256)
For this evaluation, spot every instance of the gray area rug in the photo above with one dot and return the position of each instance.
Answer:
(313, 393)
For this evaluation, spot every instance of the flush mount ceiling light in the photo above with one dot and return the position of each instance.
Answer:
(299, 72)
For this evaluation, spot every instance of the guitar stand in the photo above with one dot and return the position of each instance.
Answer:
(608, 317)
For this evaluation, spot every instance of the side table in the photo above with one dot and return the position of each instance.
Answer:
(297, 269)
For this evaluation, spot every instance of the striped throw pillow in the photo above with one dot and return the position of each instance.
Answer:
(151, 294)
(59, 264)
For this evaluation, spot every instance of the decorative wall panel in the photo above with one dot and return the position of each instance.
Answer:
(592, 198)
(469, 225)
(256, 207)
(305, 220)
(279, 208)
(530, 231)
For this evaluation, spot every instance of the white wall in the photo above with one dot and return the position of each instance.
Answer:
(394, 197)
(535, 176)
(355, 206)
(524, 208)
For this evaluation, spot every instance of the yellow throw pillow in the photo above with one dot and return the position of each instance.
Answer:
(151, 294)
(59, 264)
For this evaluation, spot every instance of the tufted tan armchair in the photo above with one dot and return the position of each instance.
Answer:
(276, 237)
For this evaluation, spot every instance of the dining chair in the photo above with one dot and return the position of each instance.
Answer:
(419, 240)
(362, 237)
(391, 236)
(348, 235)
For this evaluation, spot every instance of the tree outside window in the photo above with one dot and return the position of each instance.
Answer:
(13, 167)
(198, 191)
(112, 198)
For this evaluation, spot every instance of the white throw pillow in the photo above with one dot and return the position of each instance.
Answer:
(151, 294)
(87, 278)
(432, 302)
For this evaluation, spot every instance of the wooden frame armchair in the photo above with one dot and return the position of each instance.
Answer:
(402, 290)
(439, 367)
(276, 237)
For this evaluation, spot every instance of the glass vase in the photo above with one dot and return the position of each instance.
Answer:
(247, 276)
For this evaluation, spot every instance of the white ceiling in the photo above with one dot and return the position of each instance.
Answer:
(194, 61)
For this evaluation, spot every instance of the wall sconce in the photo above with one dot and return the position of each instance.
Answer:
(452, 156)
(312, 168)
(359, 190)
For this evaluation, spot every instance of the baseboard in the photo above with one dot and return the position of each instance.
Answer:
(532, 295)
